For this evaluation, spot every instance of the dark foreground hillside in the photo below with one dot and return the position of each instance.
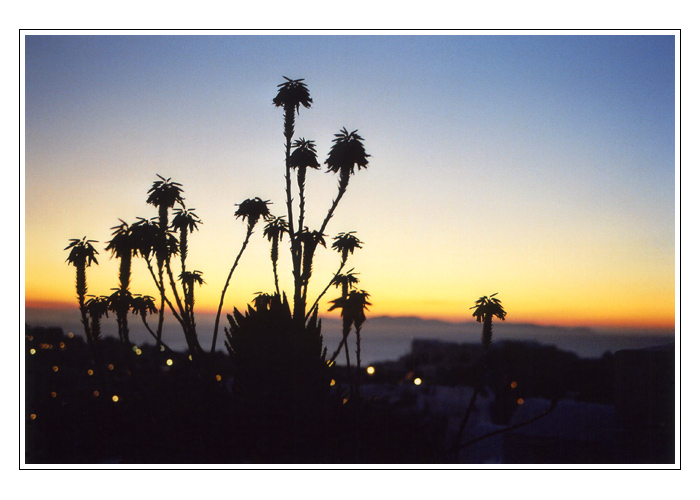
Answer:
(616, 409)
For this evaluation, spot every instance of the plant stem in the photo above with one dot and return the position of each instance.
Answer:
(337, 273)
(342, 187)
(301, 181)
(299, 309)
(472, 402)
(163, 300)
(160, 343)
(549, 410)
(274, 256)
(187, 326)
(343, 342)
(228, 280)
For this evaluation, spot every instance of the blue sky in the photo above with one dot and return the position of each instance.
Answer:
(541, 167)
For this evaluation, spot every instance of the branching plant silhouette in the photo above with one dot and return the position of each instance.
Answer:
(272, 395)
(274, 402)
(275, 347)
(156, 240)
(485, 309)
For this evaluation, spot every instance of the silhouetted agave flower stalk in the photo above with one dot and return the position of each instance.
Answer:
(303, 157)
(250, 210)
(184, 221)
(291, 96)
(123, 245)
(188, 281)
(358, 302)
(120, 303)
(345, 281)
(164, 194)
(81, 256)
(345, 244)
(274, 230)
(157, 239)
(352, 310)
(184, 318)
(152, 242)
(309, 240)
(485, 309)
(97, 307)
(348, 309)
(347, 152)
(143, 305)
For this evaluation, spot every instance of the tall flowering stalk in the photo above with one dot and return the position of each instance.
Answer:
(250, 210)
(291, 96)
(82, 254)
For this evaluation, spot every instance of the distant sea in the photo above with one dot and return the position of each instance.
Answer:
(386, 338)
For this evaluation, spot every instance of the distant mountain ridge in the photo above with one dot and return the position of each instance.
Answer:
(391, 336)
(583, 341)
(510, 327)
(468, 324)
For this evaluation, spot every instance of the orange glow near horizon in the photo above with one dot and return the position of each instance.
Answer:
(570, 217)
(656, 319)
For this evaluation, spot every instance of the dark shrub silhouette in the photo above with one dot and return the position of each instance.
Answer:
(275, 362)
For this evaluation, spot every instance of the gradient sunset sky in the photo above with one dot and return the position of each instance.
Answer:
(539, 167)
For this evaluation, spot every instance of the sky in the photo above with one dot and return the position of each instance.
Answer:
(542, 168)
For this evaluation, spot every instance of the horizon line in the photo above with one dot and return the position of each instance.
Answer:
(577, 324)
